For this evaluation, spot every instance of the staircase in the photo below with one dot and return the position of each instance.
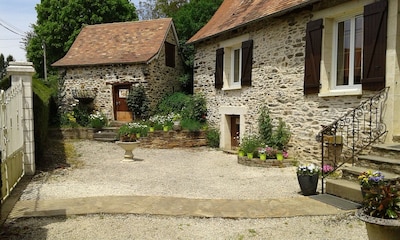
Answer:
(353, 144)
(108, 134)
(382, 157)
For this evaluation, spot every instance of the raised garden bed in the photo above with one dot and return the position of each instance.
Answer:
(256, 162)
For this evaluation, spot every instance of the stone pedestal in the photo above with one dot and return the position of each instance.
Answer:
(128, 147)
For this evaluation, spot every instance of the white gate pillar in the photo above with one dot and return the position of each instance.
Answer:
(23, 71)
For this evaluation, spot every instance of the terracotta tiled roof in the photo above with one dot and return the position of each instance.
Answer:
(235, 13)
(112, 43)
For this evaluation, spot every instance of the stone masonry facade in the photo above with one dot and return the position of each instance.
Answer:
(277, 82)
(157, 78)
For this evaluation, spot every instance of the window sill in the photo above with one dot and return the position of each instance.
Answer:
(335, 93)
(231, 88)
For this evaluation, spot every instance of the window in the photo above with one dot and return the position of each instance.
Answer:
(233, 65)
(169, 55)
(348, 54)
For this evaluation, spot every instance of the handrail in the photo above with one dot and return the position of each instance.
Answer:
(348, 136)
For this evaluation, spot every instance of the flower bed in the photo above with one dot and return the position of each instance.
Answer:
(256, 162)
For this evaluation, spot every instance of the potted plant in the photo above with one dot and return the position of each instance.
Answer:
(262, 154)
(307, 176)
(249, 144)
(380, 206)
(128, 140)
(97, 120)
(126, 133)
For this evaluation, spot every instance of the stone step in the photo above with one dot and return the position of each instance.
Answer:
(342, 188)
(380, 163)
(388, 150)
(105, 136)
(351, 173)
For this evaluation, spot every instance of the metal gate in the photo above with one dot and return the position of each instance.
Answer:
(16, 128)
(11, 138)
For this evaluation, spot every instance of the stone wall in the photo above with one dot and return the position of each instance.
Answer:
(277, 82)
(157, 139)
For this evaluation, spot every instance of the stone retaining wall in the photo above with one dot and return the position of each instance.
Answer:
(256, 162)
(157, 139)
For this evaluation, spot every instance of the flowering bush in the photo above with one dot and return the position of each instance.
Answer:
(163, 120)
(381, 198)
(127, 132)
(309, 169)
(97, 120)
(327, 168)
(369, 178)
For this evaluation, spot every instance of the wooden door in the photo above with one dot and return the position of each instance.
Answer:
(235, 131)
(121, 110)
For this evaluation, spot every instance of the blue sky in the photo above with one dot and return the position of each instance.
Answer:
(20, 14)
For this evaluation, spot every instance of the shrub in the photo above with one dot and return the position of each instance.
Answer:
(212, 136)
(191, 125)
(195, 108)
(265, 126)
(281, 136)
(138, 101)
(97, 120)
(81, 114)
(250, 143)
(172, 103)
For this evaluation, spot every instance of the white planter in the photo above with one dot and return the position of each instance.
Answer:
(128, 147)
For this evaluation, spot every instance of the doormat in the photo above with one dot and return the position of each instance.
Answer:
(338, 202)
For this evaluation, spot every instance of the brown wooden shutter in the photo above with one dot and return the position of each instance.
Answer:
(374, 62)
(313, 56)
(247, 62)
(219, 69)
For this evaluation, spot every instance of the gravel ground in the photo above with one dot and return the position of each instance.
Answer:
(191, 173)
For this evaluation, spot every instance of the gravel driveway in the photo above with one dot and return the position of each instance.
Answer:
(190, 173)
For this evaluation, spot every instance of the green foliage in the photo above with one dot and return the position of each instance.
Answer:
(41, 99)
(191, 125)
(213, 136)
(81, 115)
(174, 102)
(4, 64)
(250, 143)
(138, 101)
(189, 19)
(265, 126)
(281, 136)
(195, 108)
(188, 106)
(97, 120)
(59, 23)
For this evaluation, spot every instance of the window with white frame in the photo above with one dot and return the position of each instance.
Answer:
(234, 64)
(347, 53)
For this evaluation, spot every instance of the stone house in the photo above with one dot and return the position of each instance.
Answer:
(105, 60)
(308, 61)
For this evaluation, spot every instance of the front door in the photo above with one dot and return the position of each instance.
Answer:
(235, 131)
(121, 110)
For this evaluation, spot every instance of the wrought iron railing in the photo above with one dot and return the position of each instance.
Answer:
(354, 132)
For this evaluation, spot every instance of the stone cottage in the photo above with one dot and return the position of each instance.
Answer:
(105, 60)
(308, 61)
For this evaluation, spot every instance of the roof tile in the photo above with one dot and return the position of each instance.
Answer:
(234, 13)
(113, 43)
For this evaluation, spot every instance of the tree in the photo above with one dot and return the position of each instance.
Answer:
(59, 23)
(4, 64)
(153, 9)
